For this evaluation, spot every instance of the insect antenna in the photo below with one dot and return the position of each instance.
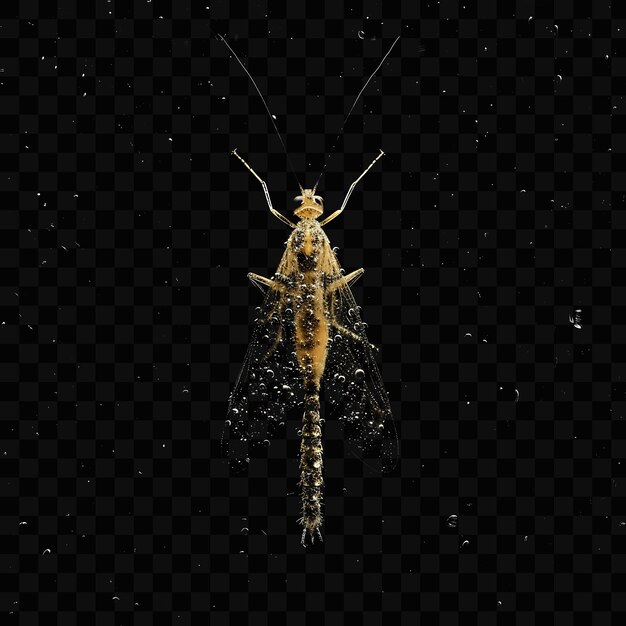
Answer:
(345, 119)
(269, 113)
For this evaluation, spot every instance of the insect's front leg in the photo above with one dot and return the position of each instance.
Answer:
(338, 212)
(274, 212)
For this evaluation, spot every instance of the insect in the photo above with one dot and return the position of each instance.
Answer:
(309, 337)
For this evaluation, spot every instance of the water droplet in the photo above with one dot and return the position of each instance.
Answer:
(361, 34)
(576, 319)
(359, 374)
(452, 520)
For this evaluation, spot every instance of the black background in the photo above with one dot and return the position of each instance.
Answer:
(128, 230)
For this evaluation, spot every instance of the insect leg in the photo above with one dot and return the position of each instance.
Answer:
(332, 216)
(258, 280)
(349, 279)
(348, 333)
(282, 218)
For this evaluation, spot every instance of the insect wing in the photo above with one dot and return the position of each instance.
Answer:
(269, 386)
(353, 386)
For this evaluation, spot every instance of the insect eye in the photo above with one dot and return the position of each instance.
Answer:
(318, 199)
(298, 199)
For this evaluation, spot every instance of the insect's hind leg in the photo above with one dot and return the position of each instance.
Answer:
(272, 349)
(348, 333)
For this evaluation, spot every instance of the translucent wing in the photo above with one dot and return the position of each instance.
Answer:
(353, 388)
(268, 391)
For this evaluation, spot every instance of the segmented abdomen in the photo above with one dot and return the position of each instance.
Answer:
(311, 466)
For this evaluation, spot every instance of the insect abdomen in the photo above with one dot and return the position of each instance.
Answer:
(311, 465)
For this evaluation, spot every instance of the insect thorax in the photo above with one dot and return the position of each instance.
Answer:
(306, 244)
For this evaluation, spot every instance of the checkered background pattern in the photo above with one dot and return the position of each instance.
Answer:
(491, 235)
